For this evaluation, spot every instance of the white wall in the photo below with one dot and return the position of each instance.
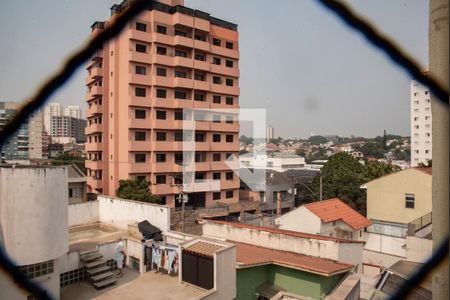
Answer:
(120, 213)
(225, 269)
(385, 244)
(418, 249)
(301, 220)
(83, 213)
(33, 213)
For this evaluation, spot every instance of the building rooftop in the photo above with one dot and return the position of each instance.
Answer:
(203, 248)
(249, 255)
(301, 172)
(286, 232)
(425, 170)
(86, 237)
(335, 209)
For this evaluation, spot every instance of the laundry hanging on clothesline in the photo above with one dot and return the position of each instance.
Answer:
(164, 257)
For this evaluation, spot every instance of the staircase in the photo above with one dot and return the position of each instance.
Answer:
(99, 273)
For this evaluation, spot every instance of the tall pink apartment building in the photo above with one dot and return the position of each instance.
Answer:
(170, 59)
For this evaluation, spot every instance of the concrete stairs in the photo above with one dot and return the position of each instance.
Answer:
(99, 274)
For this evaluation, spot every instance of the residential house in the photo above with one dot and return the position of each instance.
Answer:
(278, 161)
(330, 217)
(77, 189)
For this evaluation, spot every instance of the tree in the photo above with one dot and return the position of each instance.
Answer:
(136, 189)
(300, 152)
(384, 140)
(375, 169)
(246, 140)
(67, 159)
(428, 164)
(317, 140)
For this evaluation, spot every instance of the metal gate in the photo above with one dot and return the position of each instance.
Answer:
(198, 270)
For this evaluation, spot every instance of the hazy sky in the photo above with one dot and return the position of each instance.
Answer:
(311, 73)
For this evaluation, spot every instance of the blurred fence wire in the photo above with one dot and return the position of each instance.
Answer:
(48, 88)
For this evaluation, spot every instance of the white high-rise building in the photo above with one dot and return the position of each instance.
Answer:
(73, 111)
(52, 109)
(270, 133)
(420, 124)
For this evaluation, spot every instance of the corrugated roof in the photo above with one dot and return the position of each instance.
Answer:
(203, 248)
(286, 232)
(334, 209)
(249, 255)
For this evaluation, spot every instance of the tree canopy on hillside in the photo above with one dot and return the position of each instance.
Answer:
(317, 140)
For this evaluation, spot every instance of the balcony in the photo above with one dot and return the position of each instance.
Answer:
(225, 127)
(94, 74)
(201, 85)
(202, 146)
(139, 123)
(94, 183)
(221, 165)
(166, 168)
(162, 38)
(164, 60)
(183, 62)
(186, 83)
(229, 147)
(98, 55)
(139, 167)
(162, 124)
(202, 126)
(140, 101)
(183, 41)
(140, 79)
(164, 189)
(201, 45)
(95, 91)
(95, 109)
(224, 89)
(184, 103)
(94, 164)
(201, 65)
(202, 105)
(94, 147)
(224, 52)
(201, 24)
(140, 57)
(182, 19)
(93, 128)
(230, 184)
(162, 81)
(224, 70)
(140, 35)
(164, 103)
(167, 146)
(140, 146)
(203, 186)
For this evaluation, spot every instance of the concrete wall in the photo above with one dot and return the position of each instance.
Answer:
(380, 259)
(385, 244)
(386, 196)
(83, 213)
(120, 212)
(301, 220)
(225, 270)
(418, 249)
(33, 212)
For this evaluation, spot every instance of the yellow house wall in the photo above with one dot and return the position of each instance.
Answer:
(386, 196)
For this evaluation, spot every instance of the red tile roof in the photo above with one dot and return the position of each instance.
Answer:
(249, 255)
(425, 170)
(334, 209)
(285, 232)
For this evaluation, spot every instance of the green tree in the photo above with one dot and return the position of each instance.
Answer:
(428, 164)
(300, 152)
(67, 159)
(384, 140)
(317, 140)
(136, 189)
(246, 140)
(375, 169)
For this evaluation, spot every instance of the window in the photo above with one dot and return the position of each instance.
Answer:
(216, 138)
(180, 33)
(229, 82)
(141, 26)
(179, 158)
(139, 114)
(160, 136)
(229, 176)
(216, 99)
(141, 70)
(180, 53)
(141, 177)
(180, 74)
(200, 157)
(199, 97)
(178, 136)
(229, 120)
(199, 56)
(139, 158)
(228, 155)
(139, 136)
(141, 48)
(139, 92)
(216, 118)
(161, 29)
(180, 95)
(199, 76)
(200, 37)
(229, 194)
(161, 72)
(229, 138)
(229, 63)
(216, 42)
(216, 176)
(229, 100)
(160, 179)
(179, 115)
(217, 80)
(160, 157)
(161, 50)
(199, 137)
(229, 45)
(161, 115)
(216, 196)
(199, 176)
(216, 157)
(216, 61)
(160, 93)
(409, 200)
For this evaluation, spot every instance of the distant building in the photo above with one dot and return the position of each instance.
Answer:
(17, 147)
(65, 129)
(55, 149)
(330, 217)
(301, 180)
(36, 131)
(421, 128)
(278, 161)
(332, 138)
(73, 111)
(77, 184)
(270, 133)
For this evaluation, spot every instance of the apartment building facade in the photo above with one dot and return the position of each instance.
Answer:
(170, 60)
(67, 129)
(421, 142)
(17, 147)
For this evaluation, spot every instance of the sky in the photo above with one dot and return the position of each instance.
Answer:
(311, 73)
